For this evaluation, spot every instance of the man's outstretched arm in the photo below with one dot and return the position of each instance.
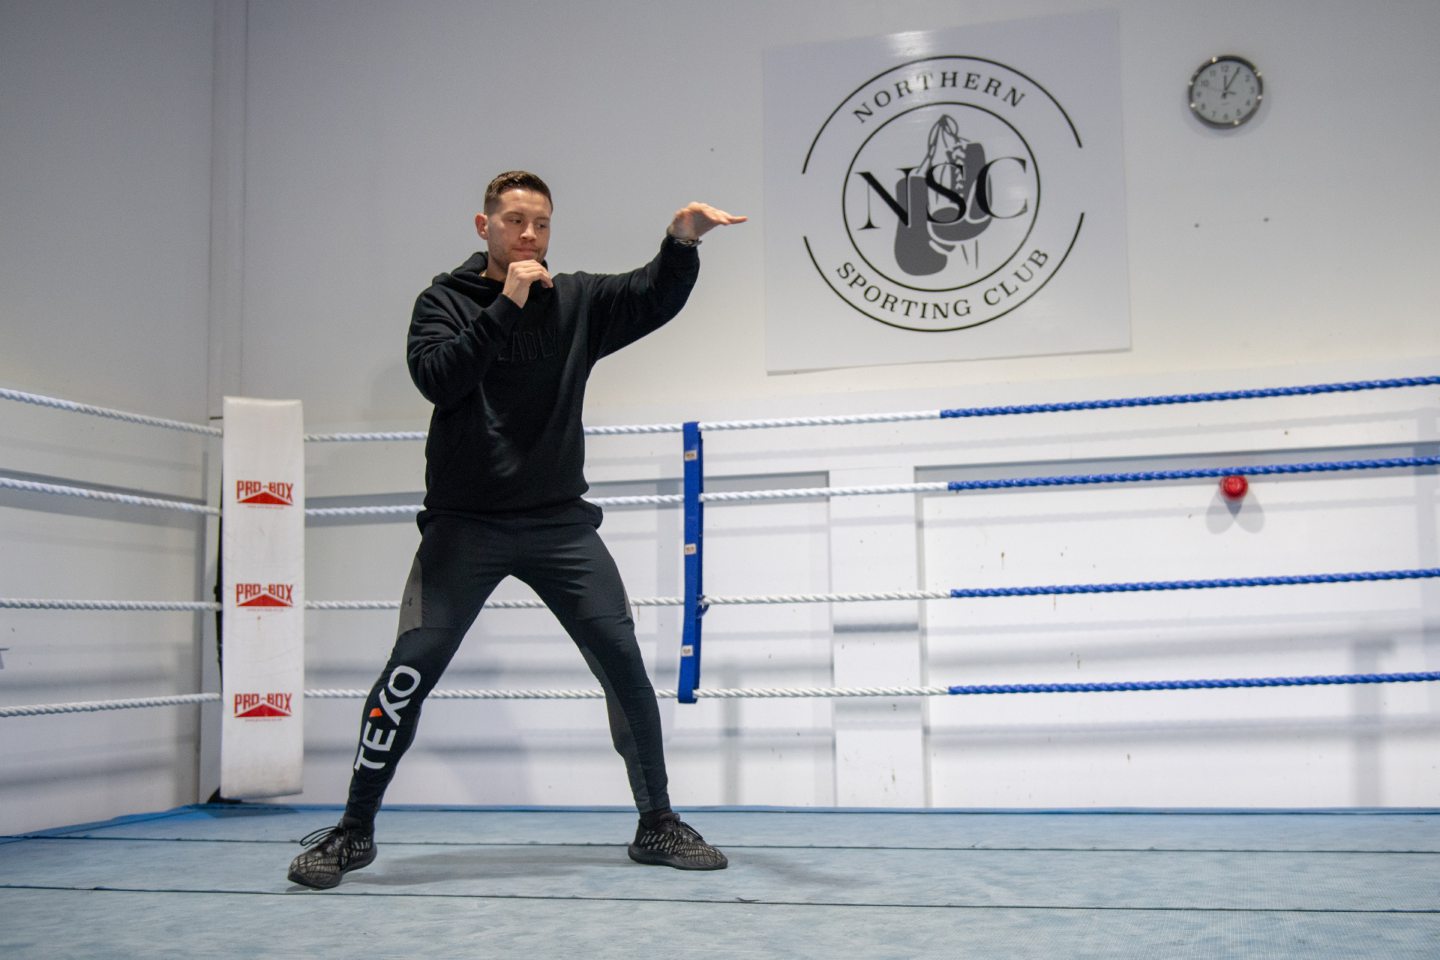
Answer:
(628, 306)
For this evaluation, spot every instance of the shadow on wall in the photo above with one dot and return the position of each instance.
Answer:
(1246, 513)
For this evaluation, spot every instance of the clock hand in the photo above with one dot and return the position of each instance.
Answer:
(1225, 91)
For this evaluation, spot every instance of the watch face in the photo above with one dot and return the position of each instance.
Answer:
(1226, 91)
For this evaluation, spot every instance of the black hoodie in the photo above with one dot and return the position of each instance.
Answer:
(508, 383)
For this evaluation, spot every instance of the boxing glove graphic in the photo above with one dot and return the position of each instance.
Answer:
(931, 230)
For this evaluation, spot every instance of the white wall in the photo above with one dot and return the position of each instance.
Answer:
(1302, 237)
(1296, 248)
(104, 229)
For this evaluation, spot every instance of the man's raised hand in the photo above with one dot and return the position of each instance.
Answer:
(697, 219)
(520, 275)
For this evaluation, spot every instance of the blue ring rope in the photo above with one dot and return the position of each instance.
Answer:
(1157, 401)
(1258, 470)
(1140, 685)
(1145, 586)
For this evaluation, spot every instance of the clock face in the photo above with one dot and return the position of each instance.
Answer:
(1226, 91)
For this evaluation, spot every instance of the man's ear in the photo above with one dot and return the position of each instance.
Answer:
(480, 221)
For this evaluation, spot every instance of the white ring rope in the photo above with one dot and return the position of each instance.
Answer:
(834, 421)
(400, 510)
(768, 693)
(648, 499)
(489, 604)
(31, 486)
(193, 606)
(73, 407)
(645, 428)
(358, 694)
(800, 493)
(94, 706)
(409, 510)
(364, 437)
(792, 493)
(771, 693)
(620, 430)
(753, 693)
(830, 597)
(763, 693)
(201, 606)
(401, 435)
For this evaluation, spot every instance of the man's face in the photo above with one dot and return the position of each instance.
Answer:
(518, 229)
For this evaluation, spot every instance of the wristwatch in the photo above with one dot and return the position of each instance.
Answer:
(684, 242)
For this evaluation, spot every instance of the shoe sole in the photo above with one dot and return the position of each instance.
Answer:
(665, 860)
(295, 877)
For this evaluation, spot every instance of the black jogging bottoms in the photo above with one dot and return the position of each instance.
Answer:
(461, 560)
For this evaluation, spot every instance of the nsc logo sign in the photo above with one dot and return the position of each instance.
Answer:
(941, 224)
(939, 195)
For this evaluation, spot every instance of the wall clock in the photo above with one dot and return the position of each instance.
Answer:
(1226, 91)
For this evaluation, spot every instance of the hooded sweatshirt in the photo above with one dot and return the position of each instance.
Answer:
(508, 383)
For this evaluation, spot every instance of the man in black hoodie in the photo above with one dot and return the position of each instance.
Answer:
(503, 349)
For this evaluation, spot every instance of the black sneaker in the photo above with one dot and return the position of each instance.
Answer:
(338, 850)
(674, 843)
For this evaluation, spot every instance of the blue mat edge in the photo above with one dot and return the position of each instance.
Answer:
(247, 807)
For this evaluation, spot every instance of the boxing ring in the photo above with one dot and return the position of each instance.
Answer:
(813, 882)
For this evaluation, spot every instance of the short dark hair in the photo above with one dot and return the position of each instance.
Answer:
(514, 180)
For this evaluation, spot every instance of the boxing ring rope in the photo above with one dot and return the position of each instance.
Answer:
(962, 412)
(55, 489)
(771, 693)
(956, 690)
(125, 606)
(71, 406)
(951, 486)
(959, 593)
(760, 495)
(489, 604)
(696, 603)
(97, 706)
(968, 593)
(63, 490)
